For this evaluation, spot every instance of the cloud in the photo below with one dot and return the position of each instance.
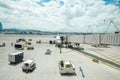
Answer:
(4, 5)
(58, 15)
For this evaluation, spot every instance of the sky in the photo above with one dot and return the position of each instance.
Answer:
(61, 15)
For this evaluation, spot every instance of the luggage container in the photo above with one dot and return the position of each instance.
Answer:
(15, 57)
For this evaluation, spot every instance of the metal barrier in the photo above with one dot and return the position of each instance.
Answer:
(110, 39)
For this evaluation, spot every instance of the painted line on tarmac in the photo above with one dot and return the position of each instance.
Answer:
(13, 76)
(115, 65)
(117, 62)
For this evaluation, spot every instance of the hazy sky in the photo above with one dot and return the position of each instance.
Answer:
(60, 15)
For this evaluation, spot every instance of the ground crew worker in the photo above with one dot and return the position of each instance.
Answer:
(60, 50)
(11, 43)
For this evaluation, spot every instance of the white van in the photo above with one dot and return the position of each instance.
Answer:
(29, 65)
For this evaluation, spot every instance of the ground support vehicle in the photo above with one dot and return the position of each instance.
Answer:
(19, 46)
(29, 65)
(15, 57)
(48, 51)
(30, 48)
(66, 67)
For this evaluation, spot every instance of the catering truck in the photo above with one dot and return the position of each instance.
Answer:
(66, 67)
(29, 65)
(15, 57)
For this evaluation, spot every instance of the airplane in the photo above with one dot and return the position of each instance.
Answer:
(58, 41)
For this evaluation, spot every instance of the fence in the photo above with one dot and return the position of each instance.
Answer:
(110, 39)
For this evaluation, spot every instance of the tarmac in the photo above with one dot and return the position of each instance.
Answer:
(110, 51)
(109, 54)
(47, 65)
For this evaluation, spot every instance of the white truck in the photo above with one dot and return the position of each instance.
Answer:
(66, 67)
(15, 57)
(29, 65)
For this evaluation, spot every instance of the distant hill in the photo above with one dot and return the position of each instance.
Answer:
(36, 32)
